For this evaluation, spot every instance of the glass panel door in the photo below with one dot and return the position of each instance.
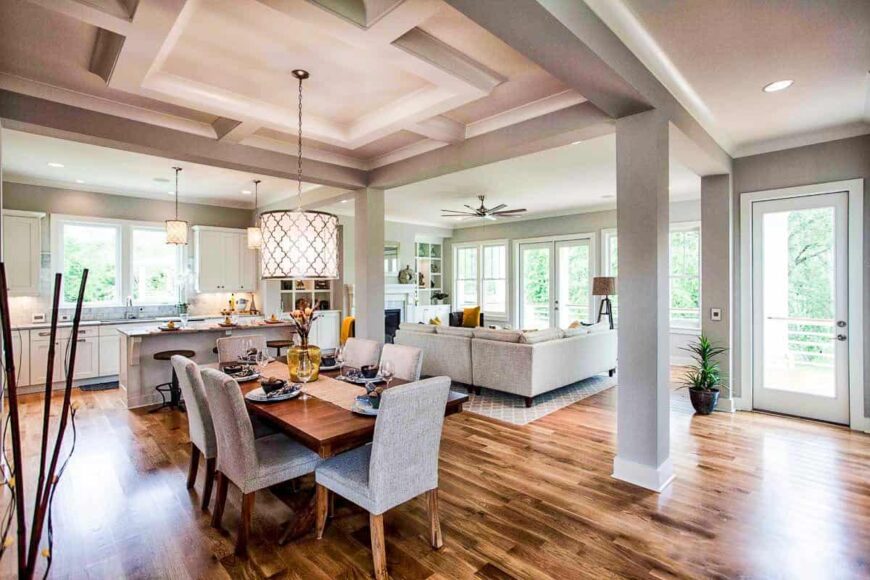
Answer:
(536, 267)
(799, 285)
(573, 282)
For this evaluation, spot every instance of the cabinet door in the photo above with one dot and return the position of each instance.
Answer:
(210, 261)
(87, 358)
(231, 261)
(22, 258)
(21, 356)
(110, 355)
(248, 266)
(39, 358)
(328, 330)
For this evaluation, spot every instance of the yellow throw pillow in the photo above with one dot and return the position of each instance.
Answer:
(575, 324)
(471, 317)
(436, 321)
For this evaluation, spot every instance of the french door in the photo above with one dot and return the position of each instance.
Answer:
(555, 282)
(800, 306)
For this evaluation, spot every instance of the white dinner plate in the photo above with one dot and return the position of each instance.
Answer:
(332, 368)
(360, 380)
(246, 378)
(364, 409)
(258, 395)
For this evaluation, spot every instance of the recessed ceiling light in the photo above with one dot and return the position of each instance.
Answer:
(246, 192)
(55, 164)
(778, 86)
(80, 180)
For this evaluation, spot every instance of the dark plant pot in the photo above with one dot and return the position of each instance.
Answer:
(704, 401)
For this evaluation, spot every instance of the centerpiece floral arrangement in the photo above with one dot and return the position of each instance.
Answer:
(302, 320)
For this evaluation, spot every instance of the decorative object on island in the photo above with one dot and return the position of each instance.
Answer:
(255, 236)
(484, 212)
(299, 243)
(176, 230)
(605, 286)
(704, 377)
(50, 467)
(303, 358)
(406, 275)
(440, 297)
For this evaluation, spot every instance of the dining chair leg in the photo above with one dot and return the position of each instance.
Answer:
(379, 548)
(194, 465)
(220, 500)
(434, 521)
(209, 482)
(321, 501)
(245, 523)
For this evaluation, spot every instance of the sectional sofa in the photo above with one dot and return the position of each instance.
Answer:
(522, 363)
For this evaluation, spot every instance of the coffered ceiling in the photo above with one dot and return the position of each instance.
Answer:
(390, 79)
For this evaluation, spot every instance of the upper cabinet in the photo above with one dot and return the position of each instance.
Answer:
(22, 247)
(223, 262)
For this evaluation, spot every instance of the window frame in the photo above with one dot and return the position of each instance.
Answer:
(608, 236)
(501, 316)
(123, 256)
(686, 226)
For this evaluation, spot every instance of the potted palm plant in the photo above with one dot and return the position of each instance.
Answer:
(704, 377)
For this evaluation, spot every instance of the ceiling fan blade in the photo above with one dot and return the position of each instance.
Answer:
(474, 209)
(458, 215)
(496, 208)
(509, 211)
(458, 211)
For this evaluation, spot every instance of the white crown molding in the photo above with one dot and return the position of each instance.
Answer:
(412, 150)
(809, 138)
(309, 152)
(627, 27)
(84, 101)
(440, 128)
(524, 112)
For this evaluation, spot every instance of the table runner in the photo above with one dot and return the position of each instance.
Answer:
(324, 388)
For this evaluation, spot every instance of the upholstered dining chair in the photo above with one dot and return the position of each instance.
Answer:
(359, 352)
(251, 464)
(407, 360)
(199, 422)
(230, 348)
(400, 464)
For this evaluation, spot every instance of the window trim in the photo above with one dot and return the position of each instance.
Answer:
(478, 247)
(123, 255)
(686, 226)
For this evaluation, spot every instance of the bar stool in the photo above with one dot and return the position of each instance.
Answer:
(278, 345)
(171, 387)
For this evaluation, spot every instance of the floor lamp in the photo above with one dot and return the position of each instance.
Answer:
(605, 286)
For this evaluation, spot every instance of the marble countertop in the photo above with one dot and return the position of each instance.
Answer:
(67, 324)
(198, 327)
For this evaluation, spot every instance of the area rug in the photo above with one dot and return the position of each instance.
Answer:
(512, 408)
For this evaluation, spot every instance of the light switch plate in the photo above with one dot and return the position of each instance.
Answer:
(37, 317)
(65, 317)
(716, 314)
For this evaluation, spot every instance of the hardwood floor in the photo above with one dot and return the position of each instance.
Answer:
(755, 496)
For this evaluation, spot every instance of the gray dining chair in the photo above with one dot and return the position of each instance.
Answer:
(231, 348)
(359, 352)
(400, 464)
(199, 424)
(251, 464)
(407, 360)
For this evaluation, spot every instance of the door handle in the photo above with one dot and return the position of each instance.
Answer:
(841, 337)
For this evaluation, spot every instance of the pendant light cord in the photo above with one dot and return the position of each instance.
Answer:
(177, 171)
(256, 197)
(299, 149)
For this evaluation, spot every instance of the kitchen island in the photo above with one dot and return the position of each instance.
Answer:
(140, 373)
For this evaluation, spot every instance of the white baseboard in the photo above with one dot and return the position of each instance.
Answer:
(726, 405)
(645, 476)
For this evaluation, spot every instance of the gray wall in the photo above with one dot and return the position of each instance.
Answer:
(824, 162)
(84, 203)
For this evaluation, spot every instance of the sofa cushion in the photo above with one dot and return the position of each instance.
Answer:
(496, 334)
(417, 327)
(541, 335)
(470, 317)
(454, 331)
(598, 327)
(575, 331)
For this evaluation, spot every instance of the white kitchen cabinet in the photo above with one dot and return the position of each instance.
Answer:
(325, 332)
(22, 249)
(39, 358)
(21, 356)
(87, 353)
(87, 358)
(223, 262)
(110, 355)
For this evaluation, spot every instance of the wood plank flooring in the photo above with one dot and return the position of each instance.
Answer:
(755, 496)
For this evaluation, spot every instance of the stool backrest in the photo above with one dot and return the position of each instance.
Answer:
(232, 347)
(199, 420)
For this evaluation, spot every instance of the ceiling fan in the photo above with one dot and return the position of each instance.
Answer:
(491, 213)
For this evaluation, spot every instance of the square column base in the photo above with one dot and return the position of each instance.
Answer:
(645, 476)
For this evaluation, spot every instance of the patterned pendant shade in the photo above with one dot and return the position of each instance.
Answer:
(299, 244)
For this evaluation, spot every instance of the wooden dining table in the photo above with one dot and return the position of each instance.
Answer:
(322, 426)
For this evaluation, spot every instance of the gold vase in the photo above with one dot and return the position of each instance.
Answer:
(297, 353)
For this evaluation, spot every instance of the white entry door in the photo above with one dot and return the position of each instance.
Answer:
(555, 283)
(800, 306)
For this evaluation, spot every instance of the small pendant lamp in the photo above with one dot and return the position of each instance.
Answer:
(176, 230)
(255, 236)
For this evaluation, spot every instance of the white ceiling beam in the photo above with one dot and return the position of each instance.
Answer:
(440, 128)
(525, 112)
(90, 14)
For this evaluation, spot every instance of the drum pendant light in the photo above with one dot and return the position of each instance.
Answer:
(176, 230)
(298, 243)
(255, 236)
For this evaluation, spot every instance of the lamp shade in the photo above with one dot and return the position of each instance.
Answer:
(299, 244)
(604, 286)
(255, 239)
(176, 232)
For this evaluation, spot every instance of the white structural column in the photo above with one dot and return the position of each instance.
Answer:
(368, 234)
(717, 267)
(643, 398)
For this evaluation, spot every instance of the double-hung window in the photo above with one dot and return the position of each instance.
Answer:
(481, 277)
(610, 266)
(97, 248)
(154, 267)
